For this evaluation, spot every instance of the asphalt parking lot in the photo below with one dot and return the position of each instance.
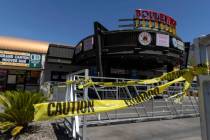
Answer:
(177, 129)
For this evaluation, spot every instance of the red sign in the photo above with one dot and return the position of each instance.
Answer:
(155, 16)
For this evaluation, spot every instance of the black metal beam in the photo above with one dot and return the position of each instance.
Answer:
(98, 31)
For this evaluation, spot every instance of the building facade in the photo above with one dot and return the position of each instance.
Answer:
(21, 63)
(58, 63)
(27, 64)
(147, 48)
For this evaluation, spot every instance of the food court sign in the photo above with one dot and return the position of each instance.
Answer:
(20, 59)
(154, 20)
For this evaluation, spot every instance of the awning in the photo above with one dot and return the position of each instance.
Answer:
(23, 45)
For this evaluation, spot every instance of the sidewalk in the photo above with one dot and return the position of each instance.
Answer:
(177, 129)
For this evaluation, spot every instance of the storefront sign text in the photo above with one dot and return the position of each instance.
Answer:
(154, 20)
(20, 59)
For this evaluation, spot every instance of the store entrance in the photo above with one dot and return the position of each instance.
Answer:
(19, 80)
(16, 79)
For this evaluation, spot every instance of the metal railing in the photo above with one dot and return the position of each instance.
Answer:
(161, 107)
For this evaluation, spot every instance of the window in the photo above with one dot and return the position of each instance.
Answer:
(58, 76)
(32, 77)
(11, 79)
(20, 79)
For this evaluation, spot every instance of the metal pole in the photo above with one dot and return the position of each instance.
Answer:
(73, 119)
(85, 97)
(207, 59)
(98, 45)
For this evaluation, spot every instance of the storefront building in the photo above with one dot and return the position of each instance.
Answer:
(21, 63)
(27, 64)
(147, 47)
(58, 63)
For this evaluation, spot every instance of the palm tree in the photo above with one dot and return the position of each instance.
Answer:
(18, 109)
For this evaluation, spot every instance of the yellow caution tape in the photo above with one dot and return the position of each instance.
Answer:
(169, 76)
(70, 82)
(166, 77)
(56, 110)
(180, 96)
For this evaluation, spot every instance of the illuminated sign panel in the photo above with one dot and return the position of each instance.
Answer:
(154, 20)
(162, 40)
(20, 59)
(178, 44)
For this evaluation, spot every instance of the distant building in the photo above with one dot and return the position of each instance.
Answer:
(199, 51)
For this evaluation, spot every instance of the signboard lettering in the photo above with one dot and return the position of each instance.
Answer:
(155, 20)
(20, 59)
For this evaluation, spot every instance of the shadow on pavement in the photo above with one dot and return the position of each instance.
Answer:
(60, 132)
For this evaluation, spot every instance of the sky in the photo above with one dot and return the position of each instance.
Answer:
(69, 21)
